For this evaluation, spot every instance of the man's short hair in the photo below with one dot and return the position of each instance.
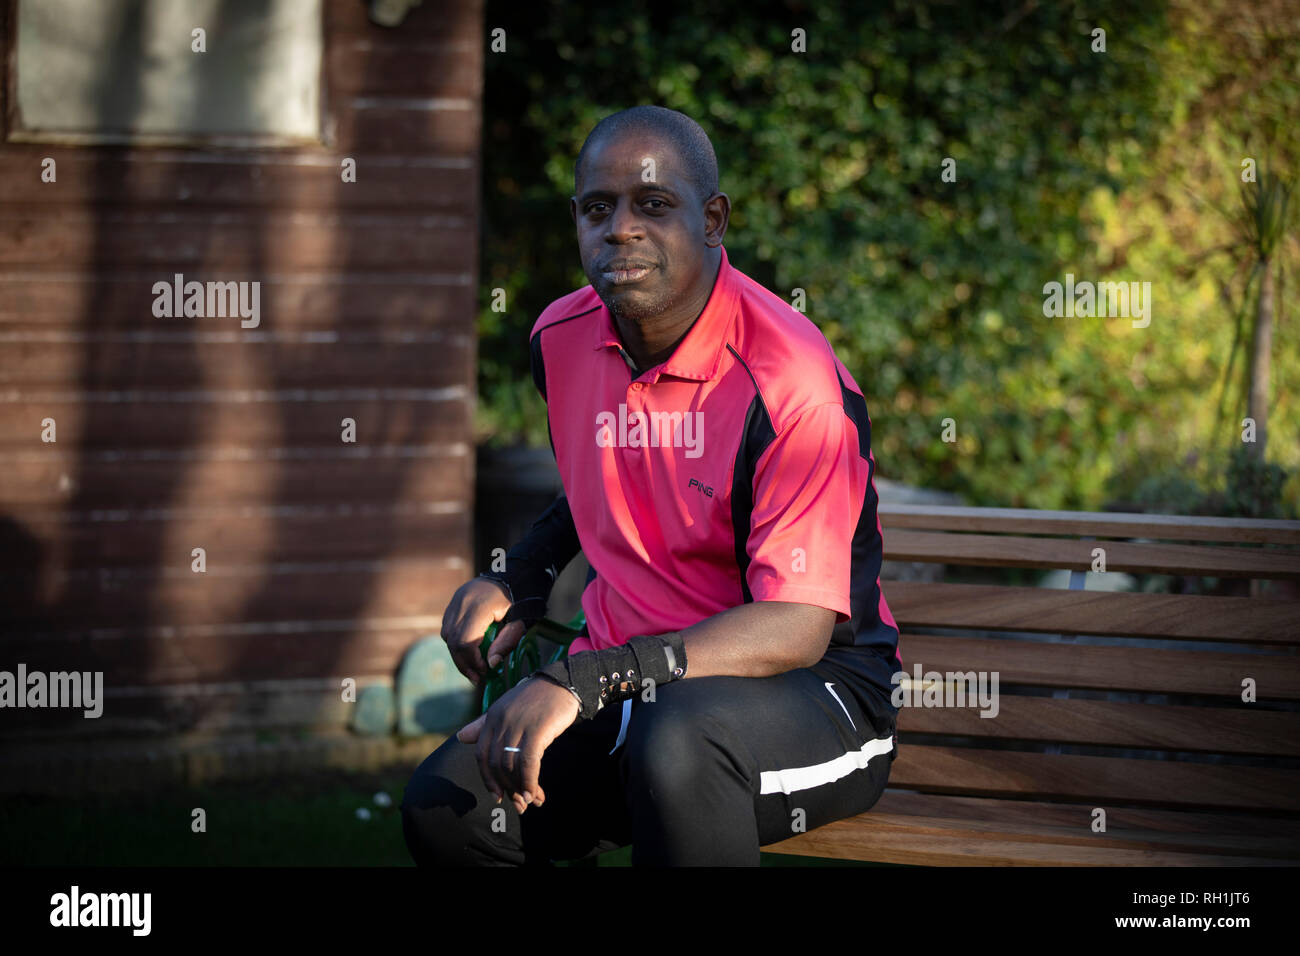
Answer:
(683, 133)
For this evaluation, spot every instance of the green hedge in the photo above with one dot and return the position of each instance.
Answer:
(930, 291)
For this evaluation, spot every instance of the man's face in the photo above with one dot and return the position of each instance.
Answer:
(641, 238)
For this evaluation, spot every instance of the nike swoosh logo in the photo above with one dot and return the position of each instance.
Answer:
(842, 707)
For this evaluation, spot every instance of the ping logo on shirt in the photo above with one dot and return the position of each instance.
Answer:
(706, 489)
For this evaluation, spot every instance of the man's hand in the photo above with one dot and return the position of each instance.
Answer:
(529, 717)
(474, 606)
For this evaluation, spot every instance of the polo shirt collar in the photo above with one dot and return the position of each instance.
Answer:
(697, 355)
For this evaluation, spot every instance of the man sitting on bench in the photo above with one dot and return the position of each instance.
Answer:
(732, 687)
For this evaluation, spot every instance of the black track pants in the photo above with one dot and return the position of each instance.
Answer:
(704, 774)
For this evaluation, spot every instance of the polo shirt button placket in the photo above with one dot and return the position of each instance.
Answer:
(632, 406)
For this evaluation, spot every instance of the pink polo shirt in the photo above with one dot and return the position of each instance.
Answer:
(738, 470)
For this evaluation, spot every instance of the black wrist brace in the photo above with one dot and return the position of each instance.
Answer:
(604, 677)
(529, 610)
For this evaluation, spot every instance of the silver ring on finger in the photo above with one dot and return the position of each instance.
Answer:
(513, 750)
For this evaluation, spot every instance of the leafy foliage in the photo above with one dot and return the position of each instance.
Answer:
(930, 291)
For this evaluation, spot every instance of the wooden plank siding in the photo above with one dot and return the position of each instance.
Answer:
(325, 559)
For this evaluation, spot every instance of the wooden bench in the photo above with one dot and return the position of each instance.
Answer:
(1130, 703)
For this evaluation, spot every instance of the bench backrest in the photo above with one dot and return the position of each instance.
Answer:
(1104, 698)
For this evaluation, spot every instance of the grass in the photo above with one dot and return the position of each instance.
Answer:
(302, 821)
(299, 821)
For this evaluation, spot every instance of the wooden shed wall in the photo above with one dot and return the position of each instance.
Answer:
(324, 559)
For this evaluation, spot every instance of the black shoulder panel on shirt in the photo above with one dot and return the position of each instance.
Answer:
(865, 630)
(855, 406)
(535, 361)
(758, 434)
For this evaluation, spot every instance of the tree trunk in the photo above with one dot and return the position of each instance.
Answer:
(1259, 362)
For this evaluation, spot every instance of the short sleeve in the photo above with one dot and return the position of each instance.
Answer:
(809, 487)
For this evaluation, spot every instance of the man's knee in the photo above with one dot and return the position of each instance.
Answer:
(444, 819)
(676, 744)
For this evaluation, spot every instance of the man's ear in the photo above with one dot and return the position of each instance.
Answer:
(717, 213)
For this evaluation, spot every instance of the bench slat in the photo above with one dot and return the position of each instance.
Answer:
(1091, 667)
(924, 829)
(1181, 824)
(1262, 620)
(1007, 551)
(1074, 777)
(922, 847)
(1095, 523)
(1116, 724)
